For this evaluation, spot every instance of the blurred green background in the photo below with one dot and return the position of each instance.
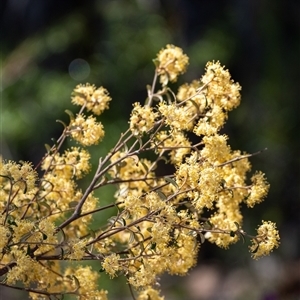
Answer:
(50, 46)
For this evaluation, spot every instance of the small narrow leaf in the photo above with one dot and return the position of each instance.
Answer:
(71, 115)
(161, 195)
(48, 148)
(172, 181)
(63, 123)
(202, 237)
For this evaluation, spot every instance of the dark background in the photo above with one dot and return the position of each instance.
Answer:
(48, 47)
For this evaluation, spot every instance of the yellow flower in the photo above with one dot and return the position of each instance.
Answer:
(21, 174)
(176, 143)
(111, 264)
(216, 150)
(86, 130)
(150, 293)
(76, 249)
(85, 280)
(95, 100)
(171, 62)
(220, 87)
(258, 190)
(82, 94)
(190, 91)
(177, 117)
(266, 240)
(142, 119)
(209, 186)
(77, 160)
(221, 221)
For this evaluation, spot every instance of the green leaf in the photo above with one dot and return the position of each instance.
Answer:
(153, 246)
(71, 115)
(145, 166)
(131, 237)
(161, 195)
(156, 62)
(63, 123)
(172, 181)
(202, 237)
(196, 106)
(207, 225)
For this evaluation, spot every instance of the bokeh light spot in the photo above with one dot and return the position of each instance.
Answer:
(79, 69)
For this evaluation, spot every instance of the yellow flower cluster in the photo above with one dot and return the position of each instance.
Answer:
(93, 99)
(83, 280)
(266, 240)
(21, 174)
(74, 162)
(177, 145)
(111, 264)
(171, 62)
(150, 293)
(142, 119)
(31, 245)
(86, 131)
(172, 192)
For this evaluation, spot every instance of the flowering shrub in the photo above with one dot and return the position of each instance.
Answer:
(161, 220)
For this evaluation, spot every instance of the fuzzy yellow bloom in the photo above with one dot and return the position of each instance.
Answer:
(23, 230)
(266, 241)
(47, 230)
(74, 162)
(258, 190)
(216, 150)
(75, 249)
(77, 160)
(160, 233)
(82, 94)
(191, 91)
(171, 62)
(175, 143)
(95, 100)
(21, 174)
(86, 131)
(81, 227)
(212, 122)
(150, 293)
(209, 186)
(220, 87)
(59, 190)
(176, 116)
(144, 276)
(85, 280)
(142, 119)
(221, 221)
(111, 264)
(27, 269)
